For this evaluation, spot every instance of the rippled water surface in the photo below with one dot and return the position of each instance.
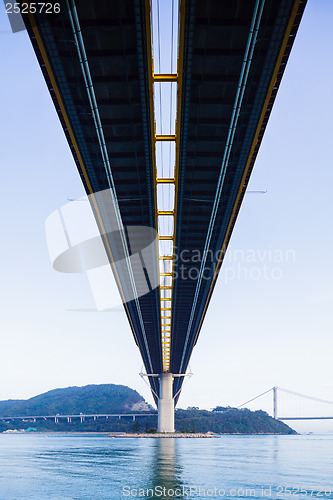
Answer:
(95, 467)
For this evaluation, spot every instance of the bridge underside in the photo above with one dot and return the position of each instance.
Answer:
(233, 57)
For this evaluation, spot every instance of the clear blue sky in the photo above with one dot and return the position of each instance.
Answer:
(258, 332)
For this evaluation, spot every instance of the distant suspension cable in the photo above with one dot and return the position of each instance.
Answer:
(288, 392)
(249, 401)
(304, 396)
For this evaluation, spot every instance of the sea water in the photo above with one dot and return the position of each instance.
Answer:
(97, 467)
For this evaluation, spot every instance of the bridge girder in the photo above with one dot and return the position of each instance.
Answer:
(233, 58)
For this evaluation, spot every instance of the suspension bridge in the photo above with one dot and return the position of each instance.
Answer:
(164, 110)
(290, 405)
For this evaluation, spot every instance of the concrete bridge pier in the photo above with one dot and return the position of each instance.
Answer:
(166, 404)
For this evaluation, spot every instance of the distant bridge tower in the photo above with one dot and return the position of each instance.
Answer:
(275, 401)
(297, 406)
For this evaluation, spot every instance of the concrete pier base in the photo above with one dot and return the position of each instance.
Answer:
(166, 404)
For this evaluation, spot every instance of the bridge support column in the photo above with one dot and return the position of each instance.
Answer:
(166, 404)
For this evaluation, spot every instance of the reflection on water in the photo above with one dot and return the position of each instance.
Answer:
(166, 471)
(275, 449)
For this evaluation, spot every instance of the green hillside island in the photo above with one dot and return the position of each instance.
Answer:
(119, 399)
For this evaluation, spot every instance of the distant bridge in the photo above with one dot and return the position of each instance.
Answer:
(298, 406)
(81, 416)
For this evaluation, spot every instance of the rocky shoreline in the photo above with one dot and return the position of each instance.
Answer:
(164, 435)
